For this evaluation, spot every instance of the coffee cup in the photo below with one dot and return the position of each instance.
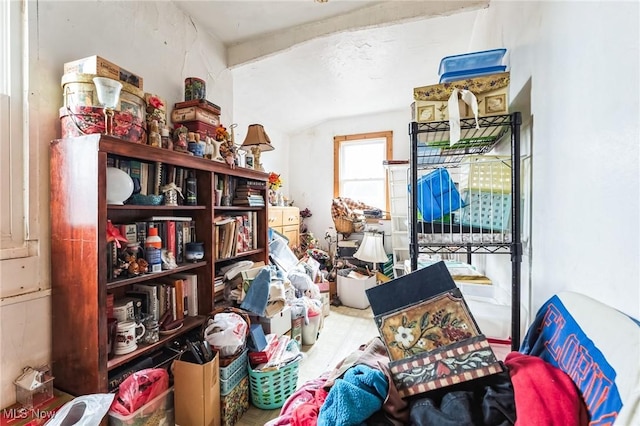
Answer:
(127, 337)
(123, 310)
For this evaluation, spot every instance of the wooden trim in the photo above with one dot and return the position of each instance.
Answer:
(338, 140)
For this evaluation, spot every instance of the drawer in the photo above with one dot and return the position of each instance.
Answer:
(275, 217)
(290, 216)
(291, 233)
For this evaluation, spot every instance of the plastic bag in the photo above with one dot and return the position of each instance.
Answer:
(138, 389)
(226, 333)
(86, 410)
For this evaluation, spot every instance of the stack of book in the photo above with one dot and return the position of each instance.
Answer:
(249, 193)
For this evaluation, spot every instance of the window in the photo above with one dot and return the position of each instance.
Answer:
(14, 217)
(358, 171)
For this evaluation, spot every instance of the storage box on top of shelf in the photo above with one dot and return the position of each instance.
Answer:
(200, 127)
(200, 103)
(194, 113)
(197, 392)
(85, 120)
(491, 91)
(351, 289)
(104, 68)
(158, 411)
(471, 61)
(437, 195)
(79, 90)
(235, 403)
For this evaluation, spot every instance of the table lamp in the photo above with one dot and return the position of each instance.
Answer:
(108, 91)
(371, 249)
(257, 141)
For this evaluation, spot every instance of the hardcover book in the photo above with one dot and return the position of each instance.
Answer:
(434, 342)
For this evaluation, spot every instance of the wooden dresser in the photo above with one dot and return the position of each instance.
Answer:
(286, 220)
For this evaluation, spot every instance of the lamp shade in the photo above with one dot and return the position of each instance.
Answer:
(257, 137)
(371, 249)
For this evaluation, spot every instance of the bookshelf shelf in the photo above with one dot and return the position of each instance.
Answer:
(81, 258)
(189, 324)
(146, 277)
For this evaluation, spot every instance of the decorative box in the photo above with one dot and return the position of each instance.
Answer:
(235, 403)
(200, 103)
(79, 90)
(195, 113)
(102, 67)
(491, 91)
(84, 120)
(200, 127)
(431, 336)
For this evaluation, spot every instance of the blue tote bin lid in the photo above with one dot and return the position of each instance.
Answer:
(473, 60)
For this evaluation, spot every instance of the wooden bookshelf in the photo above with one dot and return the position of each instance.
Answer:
(79, 214)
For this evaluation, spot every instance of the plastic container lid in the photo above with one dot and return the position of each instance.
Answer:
(473, 60)
(478, 72)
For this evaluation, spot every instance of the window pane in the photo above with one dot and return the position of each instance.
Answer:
(362, 160)
(370, 192)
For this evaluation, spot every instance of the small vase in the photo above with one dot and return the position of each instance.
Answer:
(273, 197)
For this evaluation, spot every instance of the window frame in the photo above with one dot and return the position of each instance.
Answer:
(356, 138)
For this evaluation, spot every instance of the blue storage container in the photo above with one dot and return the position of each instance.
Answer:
(437, 195)
(471, 61)
(478, 72)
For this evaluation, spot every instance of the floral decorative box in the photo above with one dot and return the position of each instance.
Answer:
(235, 404)
(435, 342)
(85, 120)
(491, 91)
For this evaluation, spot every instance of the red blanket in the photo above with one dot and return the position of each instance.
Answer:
(544, 394)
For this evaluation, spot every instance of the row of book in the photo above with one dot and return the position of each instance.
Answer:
(235, 234)
(150, 177)
(167, 300)
(249, 193)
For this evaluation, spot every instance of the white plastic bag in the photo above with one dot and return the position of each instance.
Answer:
(227, 333)
(86, 410)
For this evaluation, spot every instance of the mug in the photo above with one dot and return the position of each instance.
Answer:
(123, 310)
(127, 338)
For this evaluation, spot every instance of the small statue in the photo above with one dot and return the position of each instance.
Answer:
(180, 139)
(228, 152)
(168, 260)
(154, 134)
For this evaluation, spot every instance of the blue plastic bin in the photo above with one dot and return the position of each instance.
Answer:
(471, 61)
(437, 195)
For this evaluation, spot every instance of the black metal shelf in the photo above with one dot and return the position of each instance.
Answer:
(433, 139)
(430, 148)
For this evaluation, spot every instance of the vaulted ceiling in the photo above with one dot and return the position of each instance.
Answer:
(298, 63)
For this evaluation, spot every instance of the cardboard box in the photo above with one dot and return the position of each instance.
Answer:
(491, 91)
(278, 324)
(351, 290)
(102, 67)
(197, 392)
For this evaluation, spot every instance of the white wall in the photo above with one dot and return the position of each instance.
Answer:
(311, 153)
(152, 39)
(581, 59)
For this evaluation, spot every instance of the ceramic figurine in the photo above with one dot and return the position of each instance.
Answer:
(180, 139)
(228, 152)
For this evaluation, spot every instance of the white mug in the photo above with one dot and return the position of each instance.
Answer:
(127, 338)
(123, 310)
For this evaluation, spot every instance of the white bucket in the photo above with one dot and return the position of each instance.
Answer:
(310, 331)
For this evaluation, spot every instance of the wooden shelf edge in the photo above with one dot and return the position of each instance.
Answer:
(150, 276)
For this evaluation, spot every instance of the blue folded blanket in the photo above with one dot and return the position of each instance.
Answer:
(354, 398)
